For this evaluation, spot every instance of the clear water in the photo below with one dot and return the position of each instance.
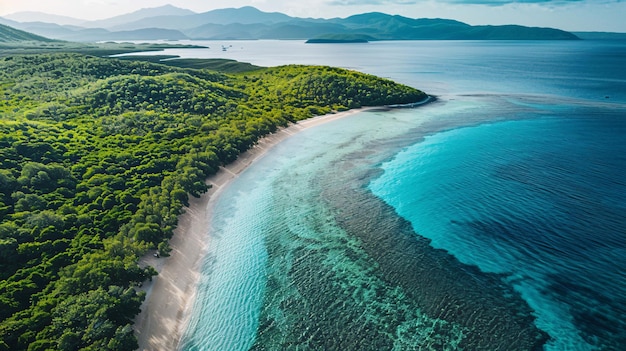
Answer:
(491, 219)
(525, 200)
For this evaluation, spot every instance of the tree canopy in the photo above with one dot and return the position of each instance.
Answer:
(97, 158)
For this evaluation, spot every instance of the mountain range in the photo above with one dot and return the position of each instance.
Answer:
(12, 35)
(172, 23)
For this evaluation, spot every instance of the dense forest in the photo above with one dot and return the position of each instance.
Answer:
(97, 159)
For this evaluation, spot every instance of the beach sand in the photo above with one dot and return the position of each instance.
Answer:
(170, 295)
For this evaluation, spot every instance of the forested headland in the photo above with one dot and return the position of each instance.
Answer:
(97, 159)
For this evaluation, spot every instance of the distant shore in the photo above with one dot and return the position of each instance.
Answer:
(336, 41)
(170, 295)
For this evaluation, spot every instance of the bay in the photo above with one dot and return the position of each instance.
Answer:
(512, 180)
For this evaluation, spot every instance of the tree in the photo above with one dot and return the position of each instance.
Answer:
(98, 156)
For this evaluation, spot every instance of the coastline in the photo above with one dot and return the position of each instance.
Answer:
(170, 295)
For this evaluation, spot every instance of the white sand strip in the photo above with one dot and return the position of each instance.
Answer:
(165, 312)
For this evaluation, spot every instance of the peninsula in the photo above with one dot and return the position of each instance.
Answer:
(99, 159)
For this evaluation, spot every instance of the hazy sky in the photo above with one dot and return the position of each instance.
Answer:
(587, 15)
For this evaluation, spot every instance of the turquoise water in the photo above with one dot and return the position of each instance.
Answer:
(231, 287)
(540, 200)
(491, 219)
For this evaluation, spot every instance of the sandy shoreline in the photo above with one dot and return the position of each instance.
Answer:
(170, 295)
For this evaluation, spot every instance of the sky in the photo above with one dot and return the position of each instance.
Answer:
(571, 15)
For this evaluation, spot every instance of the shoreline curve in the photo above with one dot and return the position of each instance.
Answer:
(170, 295)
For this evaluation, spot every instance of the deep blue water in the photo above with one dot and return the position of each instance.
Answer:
(519, 170)
(542, 200)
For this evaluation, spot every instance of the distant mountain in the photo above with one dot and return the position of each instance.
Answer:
(227, 31)
(33, 16)
(250, 23)
(144, 34)
(394, 27)
(374, 26)
(80, 34)
(513, 32)
(601, 35)
(8, 22)
(50, 30)
(12, 35)
(293, 29)
(244, 15)
(167, 10)
(169, 22)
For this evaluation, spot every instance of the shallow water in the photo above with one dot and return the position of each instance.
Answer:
(451, 225)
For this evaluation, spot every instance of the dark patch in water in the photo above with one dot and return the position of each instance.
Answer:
(596, 315)
(376, 284)
(498, 319)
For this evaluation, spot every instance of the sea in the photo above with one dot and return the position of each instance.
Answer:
(493, 218)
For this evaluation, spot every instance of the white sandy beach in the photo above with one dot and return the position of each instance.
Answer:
(170, 295)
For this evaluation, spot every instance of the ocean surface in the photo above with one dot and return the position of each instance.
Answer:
(491, 219)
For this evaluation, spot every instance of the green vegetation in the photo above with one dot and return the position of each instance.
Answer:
(21, 47)
(97, 158)
(220, 65)
(12, 35)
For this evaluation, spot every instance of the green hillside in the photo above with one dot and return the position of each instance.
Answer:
(12, 35)
(97, 158)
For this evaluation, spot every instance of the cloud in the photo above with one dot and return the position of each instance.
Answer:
(465, 2)
(507, 2)
(371, 2)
